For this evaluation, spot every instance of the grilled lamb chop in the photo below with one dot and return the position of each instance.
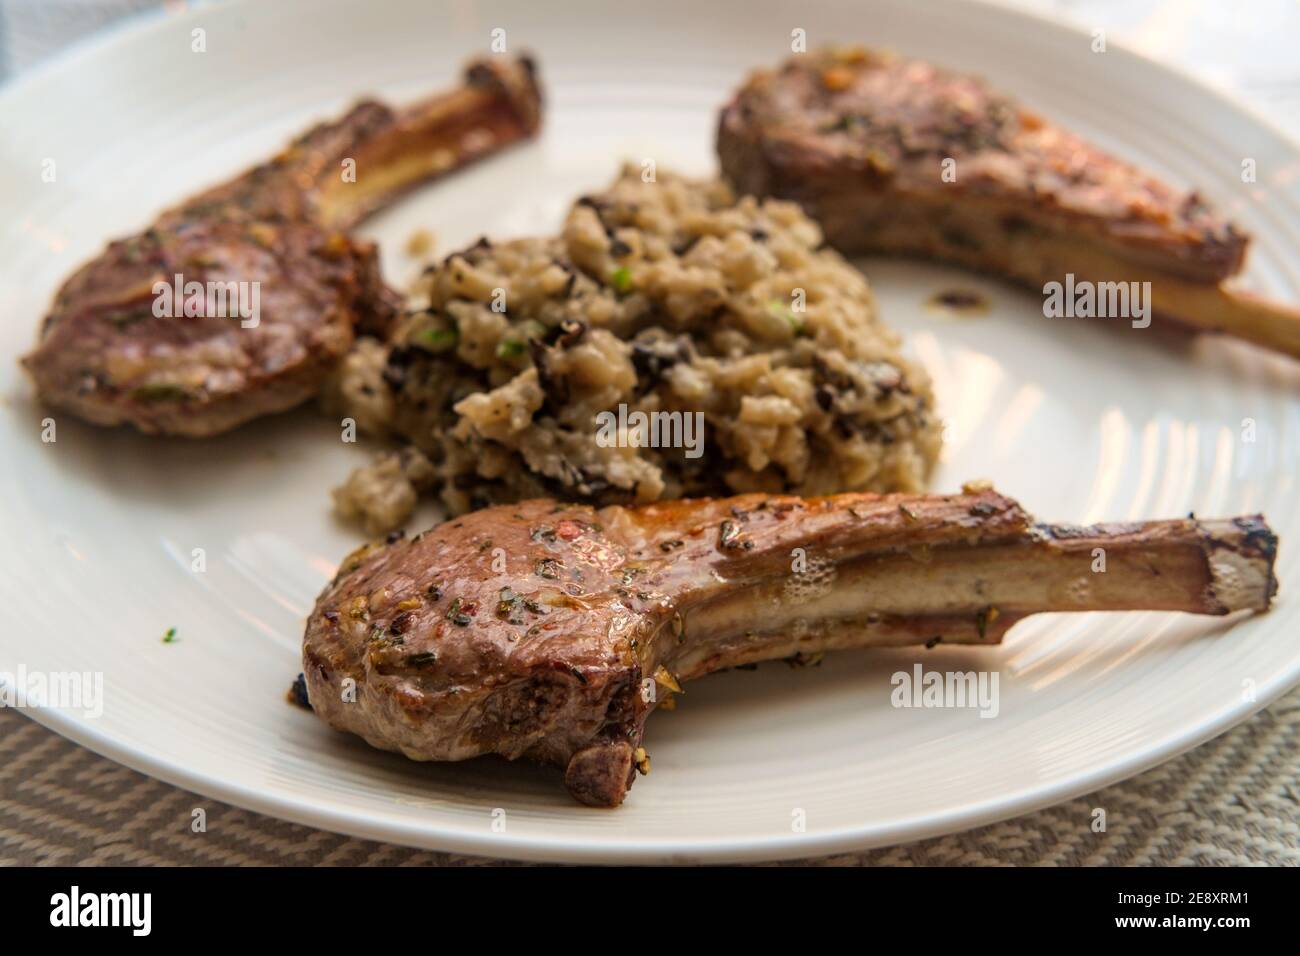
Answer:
(860, 140)
(106, 355)
(550, 631)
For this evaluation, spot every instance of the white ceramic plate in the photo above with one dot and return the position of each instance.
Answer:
(1081, 423)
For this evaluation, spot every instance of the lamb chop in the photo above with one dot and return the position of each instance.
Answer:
(551, 631)
(121, 347)
(895, 156)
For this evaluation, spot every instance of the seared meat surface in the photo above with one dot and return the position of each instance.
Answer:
(276, 288)
(896, 156)
(552, 631)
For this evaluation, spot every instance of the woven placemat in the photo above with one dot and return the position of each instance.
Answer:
(1234, 800)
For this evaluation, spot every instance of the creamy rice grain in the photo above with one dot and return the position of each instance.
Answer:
(669, 296)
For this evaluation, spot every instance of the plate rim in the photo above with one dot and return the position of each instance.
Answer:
(725, 850)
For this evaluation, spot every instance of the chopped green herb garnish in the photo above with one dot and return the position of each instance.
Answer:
(160, 392)
(379, 635)
(170, 636)
(510, 348)
(510, 607)
(621, 280)
(456, 615)
(782, 311)
(437, 340)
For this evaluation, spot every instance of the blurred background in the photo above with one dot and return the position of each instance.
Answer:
(1248, 47)
(1252, 46)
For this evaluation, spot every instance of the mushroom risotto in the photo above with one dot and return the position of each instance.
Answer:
(671, 342)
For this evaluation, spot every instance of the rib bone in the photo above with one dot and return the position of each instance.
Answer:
(107, 355)
(553, 656)
(862, 139)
